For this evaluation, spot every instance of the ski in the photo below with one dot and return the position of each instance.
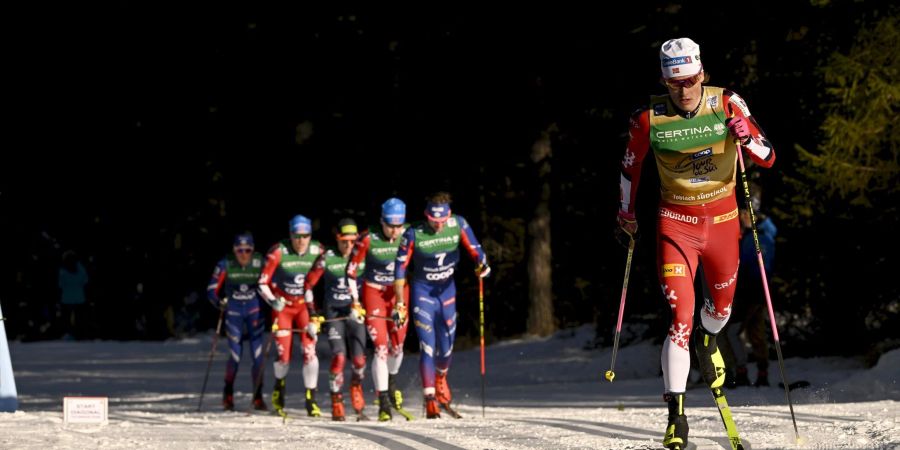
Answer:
(689, 446)
(406, 414)
(283, 414)
(450, 410)
(727, 420)
(403, 412)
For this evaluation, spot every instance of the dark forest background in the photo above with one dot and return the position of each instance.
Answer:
(152, 133)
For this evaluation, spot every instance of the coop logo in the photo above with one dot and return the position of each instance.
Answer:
(676, 61)
(384, 278)
(702, 153)
(659, 109)
(440, 275)
(674, 270)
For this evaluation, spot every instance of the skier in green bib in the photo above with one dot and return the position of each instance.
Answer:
(340, 304)
(233, 288)
(282, 284)
(432, 247)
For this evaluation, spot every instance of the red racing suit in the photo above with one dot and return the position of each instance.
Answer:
(698, 219)
(378, 297)
(284, 275)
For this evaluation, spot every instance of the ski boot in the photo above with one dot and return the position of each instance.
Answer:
(442, 389)
(712, 366)
(337, 407)
(432, 410)
(356, 397)
(278, 396)
(312, 406)
(258, 403)
(762, 378)
(395, 395)
(228, 397)
(443, 395)
(676, 437)
(384, 407)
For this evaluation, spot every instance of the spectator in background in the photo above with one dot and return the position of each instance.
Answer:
(72, 280)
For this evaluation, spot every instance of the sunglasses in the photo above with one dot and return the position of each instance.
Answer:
(685, 83)
(300, 236)
(243, 250)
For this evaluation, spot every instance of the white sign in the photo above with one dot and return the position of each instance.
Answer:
(85, 409)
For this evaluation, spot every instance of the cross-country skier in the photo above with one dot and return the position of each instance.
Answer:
(377, 249)
(282, 285)
(233, 288)
(691, 131)
(432, 247)
(338, 303)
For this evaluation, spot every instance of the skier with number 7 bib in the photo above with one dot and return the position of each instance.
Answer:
(432, 247)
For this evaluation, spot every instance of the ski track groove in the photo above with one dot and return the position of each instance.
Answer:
(440, 445)
(381, 440)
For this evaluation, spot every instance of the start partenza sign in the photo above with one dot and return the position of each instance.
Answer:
(85, 410)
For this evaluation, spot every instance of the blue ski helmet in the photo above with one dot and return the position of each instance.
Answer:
(243, 240)
(300, 225)
(393, 211)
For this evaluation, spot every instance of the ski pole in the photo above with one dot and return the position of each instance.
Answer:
(610, 374)
(371, 316)
(212, 353)
(481, 333)
(335, 319)
(304, 330)
(765, 283)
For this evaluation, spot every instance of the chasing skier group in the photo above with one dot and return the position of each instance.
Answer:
(365, 294)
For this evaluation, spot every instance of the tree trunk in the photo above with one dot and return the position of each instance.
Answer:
(541, 321)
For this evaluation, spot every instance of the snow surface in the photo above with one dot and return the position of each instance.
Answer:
(541, 394)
